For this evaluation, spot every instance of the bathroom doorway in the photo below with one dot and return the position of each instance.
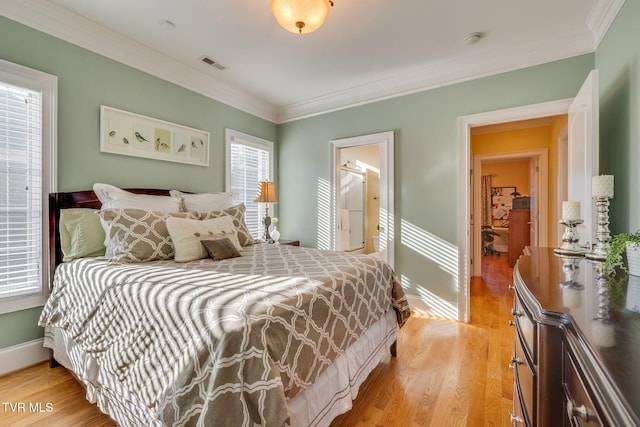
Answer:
(359, 218)
(362, 183)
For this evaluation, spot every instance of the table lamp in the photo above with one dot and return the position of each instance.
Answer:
(266, 194)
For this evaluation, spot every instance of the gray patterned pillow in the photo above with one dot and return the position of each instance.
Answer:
(220, 249)
(136, 235)
(237, 213)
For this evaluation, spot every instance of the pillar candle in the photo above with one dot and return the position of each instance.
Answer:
(602, 186)
(571, 211)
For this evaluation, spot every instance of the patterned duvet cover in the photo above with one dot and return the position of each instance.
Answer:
(223, 343)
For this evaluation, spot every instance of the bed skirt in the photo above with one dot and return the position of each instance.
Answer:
(330, 396)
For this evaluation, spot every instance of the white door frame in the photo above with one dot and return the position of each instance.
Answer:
(387, 209)
(465, 123)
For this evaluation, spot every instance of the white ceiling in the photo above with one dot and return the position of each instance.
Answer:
(367, 50)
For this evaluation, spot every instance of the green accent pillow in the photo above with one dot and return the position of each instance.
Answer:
(81, 233)
(220, 249)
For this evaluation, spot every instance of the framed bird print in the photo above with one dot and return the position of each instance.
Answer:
(132, 134)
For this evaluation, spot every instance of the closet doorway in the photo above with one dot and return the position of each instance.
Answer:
(362, 195)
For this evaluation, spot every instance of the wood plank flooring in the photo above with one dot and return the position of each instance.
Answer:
(446, 373)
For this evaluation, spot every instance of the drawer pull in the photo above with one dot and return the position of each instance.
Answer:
(516, 313)
(512, 323)
(515, 361)
(577, 411)
(515, 420)
(512, 288)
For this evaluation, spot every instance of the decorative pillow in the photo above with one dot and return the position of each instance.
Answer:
(113, 197)
(136, 235)
(186, 235)
(237, 213)
(220, 249)
(81, 233)
(203, 202)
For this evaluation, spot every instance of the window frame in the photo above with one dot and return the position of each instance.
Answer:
(47, 85)
(233, 136)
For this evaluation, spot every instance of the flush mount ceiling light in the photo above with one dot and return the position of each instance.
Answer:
(300, 16)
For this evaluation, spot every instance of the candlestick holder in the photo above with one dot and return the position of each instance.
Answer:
(599, 252)
(570, 239)
(572, 290)
(571, 270)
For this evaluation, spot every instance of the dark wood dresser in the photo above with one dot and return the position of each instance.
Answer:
(576, 354)
(519, 233)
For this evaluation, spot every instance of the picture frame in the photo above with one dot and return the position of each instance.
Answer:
(501, 199)
(131, 134)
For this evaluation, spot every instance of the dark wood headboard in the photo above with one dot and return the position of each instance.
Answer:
(75, 199)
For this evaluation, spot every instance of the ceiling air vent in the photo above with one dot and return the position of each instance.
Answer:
(213, 63)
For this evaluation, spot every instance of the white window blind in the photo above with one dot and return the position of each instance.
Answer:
(249, 161)
(21, 184)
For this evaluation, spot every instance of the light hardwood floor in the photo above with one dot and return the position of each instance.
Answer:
(446, 373)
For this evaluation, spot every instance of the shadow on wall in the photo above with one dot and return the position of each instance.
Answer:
(324, 214)
(428, 246)
(422, 244)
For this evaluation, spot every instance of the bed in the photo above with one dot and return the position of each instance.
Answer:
(280, 335)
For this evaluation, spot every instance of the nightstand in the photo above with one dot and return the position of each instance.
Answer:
(289, 242)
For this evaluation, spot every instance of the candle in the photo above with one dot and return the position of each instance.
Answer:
(602, 186)
(571, 211)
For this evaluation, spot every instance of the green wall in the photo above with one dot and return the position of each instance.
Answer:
(618, 59)
(425, 125)
(86, 81)
(426, 164)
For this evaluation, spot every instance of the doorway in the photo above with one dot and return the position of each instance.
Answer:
(465, 124)
(525, 173)
(362, 219)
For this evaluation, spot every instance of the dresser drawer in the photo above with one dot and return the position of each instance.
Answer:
(526, 328)
(580, 410)
(524, 375)
(517, 417)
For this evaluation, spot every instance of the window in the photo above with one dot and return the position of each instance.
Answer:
(27, 176)
(249, 160)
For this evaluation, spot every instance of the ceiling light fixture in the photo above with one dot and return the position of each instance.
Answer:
(300, 16)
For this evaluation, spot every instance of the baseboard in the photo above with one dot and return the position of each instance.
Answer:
(22, 355)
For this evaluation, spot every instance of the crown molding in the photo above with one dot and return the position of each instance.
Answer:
(58, 22)
(70, 27)
(457, 70)
(602, 16)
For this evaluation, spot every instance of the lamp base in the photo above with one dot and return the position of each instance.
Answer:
(267, 223)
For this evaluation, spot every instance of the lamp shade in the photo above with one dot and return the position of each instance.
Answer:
(266, 192)
(300, 16)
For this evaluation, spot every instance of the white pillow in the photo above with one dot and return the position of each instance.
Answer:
(113, 197)
(186, 235)
(204, 202)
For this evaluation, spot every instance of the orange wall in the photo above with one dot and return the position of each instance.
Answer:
(511, 140)
(509, 174)
(558, 124)
(526, 139)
